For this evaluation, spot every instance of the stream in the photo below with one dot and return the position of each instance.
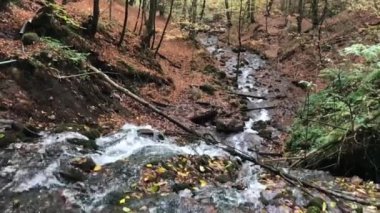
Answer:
(39, 176)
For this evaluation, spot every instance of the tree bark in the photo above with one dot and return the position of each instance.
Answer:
(202, 11)
(314, 13)
(95, 19)
(138, 16)
(228, 14)
(166, 26)
(147, 37)
(300, 15)
(125, 24)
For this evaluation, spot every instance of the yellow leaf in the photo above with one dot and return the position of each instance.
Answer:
(324, 206)
(153, 189)
(97, 168)
(127, 197)
(332, 204)
(149, 165)
(126, 209)
(203, 183)
(161, 170)
(122, 201)
(183, 174)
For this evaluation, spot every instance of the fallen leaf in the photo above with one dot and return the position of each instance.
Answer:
(202, 168)
(97, 168)
(126, 209)
(122, 201)
(161, 170)
(203, 183)
(154, 188)
(149, 165)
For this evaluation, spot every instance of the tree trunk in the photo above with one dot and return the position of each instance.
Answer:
(110, 10)
(138, 16)
(143, 16)
(149, 26)
(166, 26)
(95, 19)
(251, 11)
(314, 13)
(125, 24)
(300, 15)
(228, 13)
(194, 5)
(239, 38)
(184, 9)
(202, 11)
(161, 7)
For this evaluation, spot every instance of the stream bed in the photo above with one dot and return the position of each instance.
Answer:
(137, 169)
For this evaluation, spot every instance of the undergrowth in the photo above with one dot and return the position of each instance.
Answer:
(349, 105)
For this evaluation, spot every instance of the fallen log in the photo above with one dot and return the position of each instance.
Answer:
(142, 101)
(8, 62)
(249, 96)
(236, 152)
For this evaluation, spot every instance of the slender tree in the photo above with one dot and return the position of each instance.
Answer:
(149, 25)
(143, 16)
(314, 13)
(239, 38)
(110, 9)
(194, 5)
(166, 26)
(301, 6)
(95, 19)
(138, 16)
(251, 10)
(228, 13)
(184, 9)
(202, 11)
(125, 24)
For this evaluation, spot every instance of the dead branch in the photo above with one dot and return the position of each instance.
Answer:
(249, 95)
(8, 62)
(142, 101)
(172, 63)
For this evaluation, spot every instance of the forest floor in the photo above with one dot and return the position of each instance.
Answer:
(46, 101)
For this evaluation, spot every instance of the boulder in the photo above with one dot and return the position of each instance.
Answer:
(203, 117)
(85, 164)
(30, 38)
(229, 125)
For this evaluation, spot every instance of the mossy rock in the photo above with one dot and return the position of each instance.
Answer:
(91, 133)
(30, 38)
(208, 89)
(313, 209)
(88, 144)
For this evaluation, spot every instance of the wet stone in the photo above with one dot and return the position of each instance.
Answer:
(88, 144)
(86, 164)
(229, 125)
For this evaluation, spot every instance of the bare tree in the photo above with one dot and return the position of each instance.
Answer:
(138, 16)
(124, 24)
(251, 10)
(301, 6)
(166, 26)
(95, 19)
(202, 10)
(149, 25)
(240, 45)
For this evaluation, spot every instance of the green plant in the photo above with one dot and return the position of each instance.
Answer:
(350, 103)
(64, 52)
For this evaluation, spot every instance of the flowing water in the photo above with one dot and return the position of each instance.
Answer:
(31, 177)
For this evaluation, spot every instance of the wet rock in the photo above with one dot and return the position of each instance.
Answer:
(209, 89)
(259, 125)
(265, 133)
(30, 38)
(222, 178)
(204, 117)
(177, 187)
(88, 144)
(316, 202)
(71, 173)
(7, 139)
(268, 195)
(86, 164)
(229, 125)
(150, 133)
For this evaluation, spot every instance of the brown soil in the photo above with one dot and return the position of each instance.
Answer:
(38, 98)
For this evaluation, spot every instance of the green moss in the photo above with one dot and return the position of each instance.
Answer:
(30, 38)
